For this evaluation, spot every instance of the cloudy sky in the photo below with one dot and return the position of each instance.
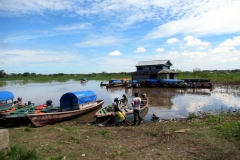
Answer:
(94, 36)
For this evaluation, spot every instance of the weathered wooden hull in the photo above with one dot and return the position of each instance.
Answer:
(114, 85)
(130, 115)
(107, 112)
(18, 120)
(50, 118)
(3, 122)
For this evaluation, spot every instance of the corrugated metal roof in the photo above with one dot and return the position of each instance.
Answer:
(160, 72)
(154, 62)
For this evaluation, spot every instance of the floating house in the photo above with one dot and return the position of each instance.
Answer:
(153, 70)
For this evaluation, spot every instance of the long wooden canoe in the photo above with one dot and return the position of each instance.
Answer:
(129, 111)
(43, 119)
(107, 111)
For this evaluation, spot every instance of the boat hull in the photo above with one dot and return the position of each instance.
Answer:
(50, 118)
(107, 112)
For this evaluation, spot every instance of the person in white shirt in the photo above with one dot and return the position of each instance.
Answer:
(136, 108)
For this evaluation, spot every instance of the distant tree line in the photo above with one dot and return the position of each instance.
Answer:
(3, 74)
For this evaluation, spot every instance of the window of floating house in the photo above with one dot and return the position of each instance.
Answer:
(159, 67)
(149, 68)
(139, 68)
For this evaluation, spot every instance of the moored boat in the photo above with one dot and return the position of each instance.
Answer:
(129, 111)
(103, 84)
(83, 80)
(6, 99)
(18, 117)
(117, 82)
(72, 105)
(136, 84)
(198, 83)
(106, 112)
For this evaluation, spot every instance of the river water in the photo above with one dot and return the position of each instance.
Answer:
(166, 103)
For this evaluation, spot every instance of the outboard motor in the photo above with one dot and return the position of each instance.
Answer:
(49, 103)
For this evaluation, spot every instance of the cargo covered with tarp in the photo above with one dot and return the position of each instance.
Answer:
(71, 100)
(135, 81)
(116, 81)
(152, 80)
(171, 81)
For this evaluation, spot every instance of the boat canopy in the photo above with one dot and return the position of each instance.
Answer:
(6, 95)
(72, 100)
(116, 81)
(171, 81)
(152, 80)
(84, 79)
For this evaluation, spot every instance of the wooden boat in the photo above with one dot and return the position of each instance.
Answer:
(174, 83)
(128, 85)
(83, 80)
(117, 82)
(19, 117)
(129, 111)
(198, 83)
(107, 111)
(72, 105)
(6, 99)
(136, 84)
(103, 84)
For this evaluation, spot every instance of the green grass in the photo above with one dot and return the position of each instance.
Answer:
(19, 153)
(218, 77)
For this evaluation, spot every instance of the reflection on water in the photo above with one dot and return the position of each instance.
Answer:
(166, 103)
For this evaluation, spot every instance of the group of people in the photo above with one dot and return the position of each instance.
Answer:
(136, 104)
(20, 104)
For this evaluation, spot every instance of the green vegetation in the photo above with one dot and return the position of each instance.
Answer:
(200, 136)
(19, 153)
(216, 77)
(61, 77)
(223, 77)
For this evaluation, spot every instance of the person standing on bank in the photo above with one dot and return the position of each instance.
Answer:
(136, 108)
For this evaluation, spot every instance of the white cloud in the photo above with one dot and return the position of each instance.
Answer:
(115, 53)
(191, 41)
(172, 40)
(99, 41)
(159, 49)
(140, 50)
(231, 42)
(73, 27)
(202, 18)
(227, 46)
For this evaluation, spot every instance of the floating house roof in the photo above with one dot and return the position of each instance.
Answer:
(164, 71)
(154, 63)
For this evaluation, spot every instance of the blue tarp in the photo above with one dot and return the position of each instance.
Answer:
(84, 79)
(152, 80)
(134, 81)
(6, 95)
(72, 100)
(116, 81)
(171, 81)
